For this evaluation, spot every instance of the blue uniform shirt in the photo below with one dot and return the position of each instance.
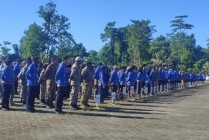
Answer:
(141, 76)
(62, 75)
(16, 69)
(147, 79)
(131, 79)
(161, 74)
(122, 78)
(152, 75)
(96, 73)
(114, 77)
(7, 75)
(165, 72)
(32, 74)
(103, 76)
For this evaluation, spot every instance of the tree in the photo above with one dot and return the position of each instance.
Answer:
(160, 50)
(93, 57)
(139, 37)
(181, 42)
(179, 24)
(4, 49)
(206, 67)
(33, 42)
(109, 36)
(105, 55)
(55, 27)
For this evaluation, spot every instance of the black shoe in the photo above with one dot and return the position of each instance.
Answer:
(73, 107)
(62, 112)
(59, 112)
(77, 108)
(4, 109)
(24, 102)
(30, 111)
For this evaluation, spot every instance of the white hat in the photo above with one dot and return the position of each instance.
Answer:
(78, 58)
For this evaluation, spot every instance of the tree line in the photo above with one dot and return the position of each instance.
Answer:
(124, 46)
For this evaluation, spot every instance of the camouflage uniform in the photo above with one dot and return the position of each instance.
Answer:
(42, 83)
(50, 83)
(75, 83)
(23, 81)
(87, 82)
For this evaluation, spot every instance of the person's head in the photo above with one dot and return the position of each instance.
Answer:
(123, 70)
(54, 60)
(78, 60)
(144, 66)
(69, 66)
(89, 64)
(9, 63)
(40, 65)
(18, 61)
(28, 61)
(45, 66)
(100, 64)
(65, 60)
(35, 60)
(115, 68)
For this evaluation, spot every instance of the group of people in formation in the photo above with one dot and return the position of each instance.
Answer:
(54, 82)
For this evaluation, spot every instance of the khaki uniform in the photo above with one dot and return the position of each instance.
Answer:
(50, 83)
(23, 81)
(42, 83)
(87, 82)
(75, 83)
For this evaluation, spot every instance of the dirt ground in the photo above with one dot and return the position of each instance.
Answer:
(181, 115)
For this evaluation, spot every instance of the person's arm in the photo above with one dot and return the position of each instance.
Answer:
(27, 74)
(47, 71)
(21, 74)
(4, 74)
(73, 72)
(58, 73)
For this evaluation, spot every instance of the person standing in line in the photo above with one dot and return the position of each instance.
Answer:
(42, 83)
(103, 82)
(67, 95)
(23, 81)
(114, 80)
(16, 72)
(96, 78)
(32, 75)
(7, 83)
(61, 77)
(122, 81)
(75, 81)
(153, 79)
(49, 76)
(130, 80)
(87, 83)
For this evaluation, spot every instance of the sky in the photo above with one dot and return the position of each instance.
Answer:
(88, 18)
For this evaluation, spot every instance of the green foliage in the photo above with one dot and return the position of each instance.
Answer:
(33, 42)
(93, 57)
(179, 24)
(124, 46)
(55, 27)
(160, 50)
(206, 67)
(139, 37)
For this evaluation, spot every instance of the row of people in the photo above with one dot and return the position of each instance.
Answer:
(55, 82)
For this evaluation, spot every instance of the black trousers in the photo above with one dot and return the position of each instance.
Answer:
(6, 92)
(16, 85)
(160, 83)
(30, 99)
(103, 93)
(114, 88)
(61, 92)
